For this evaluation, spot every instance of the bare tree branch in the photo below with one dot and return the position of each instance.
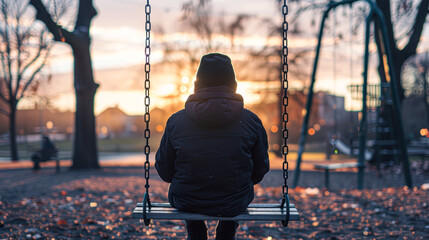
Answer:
(3, 63)
(309, 7)
(19, 43)
(60, 34)
(8, 47)
(417, 29)
(42, 46)
(30, 79)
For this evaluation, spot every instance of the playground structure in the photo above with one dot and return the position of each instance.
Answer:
(384, 95)
(380, 130)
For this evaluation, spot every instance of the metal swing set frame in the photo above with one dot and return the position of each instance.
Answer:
(375, 13)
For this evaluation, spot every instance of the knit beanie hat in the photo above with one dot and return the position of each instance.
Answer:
(215, 70)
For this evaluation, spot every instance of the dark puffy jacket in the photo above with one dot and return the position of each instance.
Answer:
(212, 153)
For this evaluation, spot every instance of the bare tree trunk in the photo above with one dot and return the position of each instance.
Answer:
(12, 134)
(85, 153)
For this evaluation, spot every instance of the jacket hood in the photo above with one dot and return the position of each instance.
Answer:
(214, 106)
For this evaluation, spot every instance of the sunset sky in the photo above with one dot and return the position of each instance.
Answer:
(118, 53)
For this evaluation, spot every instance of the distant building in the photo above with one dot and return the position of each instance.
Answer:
(36, 121)
(113, 122)
(32, 121)
(328, 117)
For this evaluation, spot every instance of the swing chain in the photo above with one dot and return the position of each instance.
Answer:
(285, 117)
(285, 102)
(147, 98)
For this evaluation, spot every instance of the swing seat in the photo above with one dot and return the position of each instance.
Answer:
(255, 212)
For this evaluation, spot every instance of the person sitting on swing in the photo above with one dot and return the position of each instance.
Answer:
(213, 151)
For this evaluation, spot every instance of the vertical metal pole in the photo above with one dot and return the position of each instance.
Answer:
(377, 134)
(327, 178)
(396, 107)
(363, 123)
(309, 102)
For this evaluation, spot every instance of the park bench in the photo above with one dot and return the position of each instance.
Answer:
(420, 148)
(255, 212)
(57, 162)
(332, 166)
(420, 152)
(53, 157)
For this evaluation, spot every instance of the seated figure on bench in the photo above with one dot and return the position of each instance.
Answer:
(213, 151)
(44, 154)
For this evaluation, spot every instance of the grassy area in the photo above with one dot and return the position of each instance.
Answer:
(127, 144)
(135, 144)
